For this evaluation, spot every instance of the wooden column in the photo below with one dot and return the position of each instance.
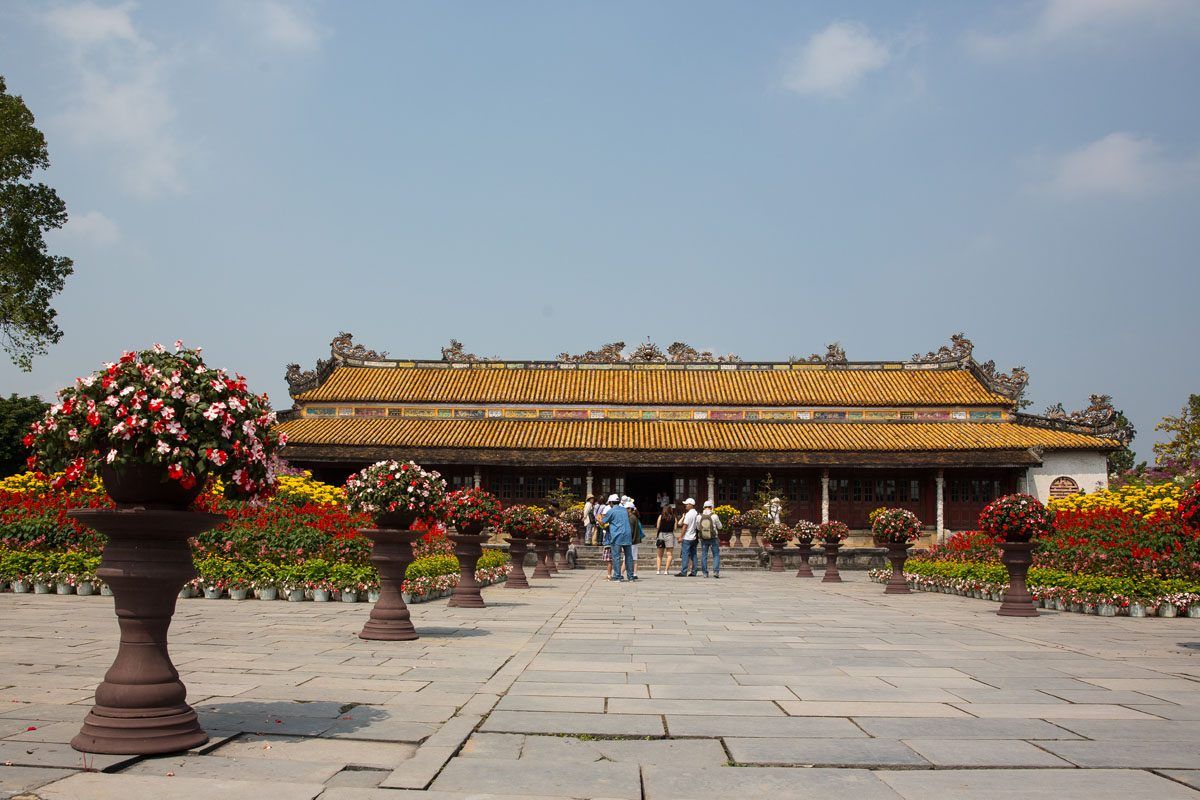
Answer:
(588, 491)
(825, 495)
(478, 478)
(712, 487)
(941, 506)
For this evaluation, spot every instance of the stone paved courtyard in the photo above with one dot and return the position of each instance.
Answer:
(754, 685)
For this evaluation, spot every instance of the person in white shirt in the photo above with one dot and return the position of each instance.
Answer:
(687, 547)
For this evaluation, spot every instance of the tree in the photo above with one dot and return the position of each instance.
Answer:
(29, 276)
(1184, 445)
(16, 415)
(1122, 460)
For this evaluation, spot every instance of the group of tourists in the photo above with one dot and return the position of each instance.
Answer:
(617, 527)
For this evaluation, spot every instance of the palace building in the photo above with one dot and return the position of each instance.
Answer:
(939, 435)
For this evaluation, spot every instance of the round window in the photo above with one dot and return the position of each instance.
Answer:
(1063, 487)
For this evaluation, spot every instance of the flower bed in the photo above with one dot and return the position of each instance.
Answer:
(426, 578)
(1053, 588)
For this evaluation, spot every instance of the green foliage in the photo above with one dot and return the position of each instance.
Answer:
(1184, 445)
(29, 276)
(1122, 460)
(431, 567)
(1138, 587)
(491, 559)
(16, 415)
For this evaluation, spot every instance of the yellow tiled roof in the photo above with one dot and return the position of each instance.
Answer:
(784, 387)
(702, 436)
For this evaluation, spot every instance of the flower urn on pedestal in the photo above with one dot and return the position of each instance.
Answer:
(468, 548)
(777, 535)
(397, 495)
(1017, 520)
(805, 531)
(469, 512)
(523, 525)
(896, 529)
(832, 534)
(155, 425)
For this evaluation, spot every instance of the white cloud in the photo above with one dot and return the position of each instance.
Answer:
(285, 25)
(1058, 21)
(122, 105)
(1120, 164)
(88, 23)
(835, 60)
(92, 228)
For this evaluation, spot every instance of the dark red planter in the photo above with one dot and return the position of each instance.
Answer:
(146, 486)
(1018, 602)
(897, 554)
(724, 536)
(544, 548)
(777, 556)
(753, 537)
(804, 550)
(831, 555)
(517, 548)
(468, 548)
(550, 565)
(562, 547)
(391, 553)
(141, 707)
(737, 537)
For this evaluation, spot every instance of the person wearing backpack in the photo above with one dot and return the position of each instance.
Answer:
(687, 544)
(707, 528)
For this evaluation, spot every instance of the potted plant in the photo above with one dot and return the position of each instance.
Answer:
(574, 517)
(725, 513)
(777, 535)
(832, 534)
(317, 579)
(44, 572)
(239, 580)
(71, 565)
(155, 425)
(291, 582)
(519, 524)
(344, 578)
(213, 571)
(896, 529)
(805, 532)
(265, 581)
(396, 494)
(1016, 521)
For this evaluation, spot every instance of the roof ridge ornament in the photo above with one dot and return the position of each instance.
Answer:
(835, 355)
(1011, 384)
(647, 353)
(343, 347)
(454, 353)
(959, 350)
(1099, 418)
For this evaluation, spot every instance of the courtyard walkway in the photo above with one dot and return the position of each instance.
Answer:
(756, 685)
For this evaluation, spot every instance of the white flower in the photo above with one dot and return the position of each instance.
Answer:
(111, 457)
(193, 399)
(163, 447)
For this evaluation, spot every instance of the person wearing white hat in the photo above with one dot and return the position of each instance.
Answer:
(687, 547)
(707, 527)
(602, 523)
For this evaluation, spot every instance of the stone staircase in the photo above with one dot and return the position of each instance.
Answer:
(732, 558)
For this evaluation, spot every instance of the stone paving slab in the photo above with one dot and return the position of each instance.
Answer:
(660, 751)
(556, 722)
(1046, 784)
(972, 753)
(330, 751)
(236, 769)
(96, 786)
(721, 783)
(810, 727)
(869, 753)
(1136, 754)
(899, 728)
(18, 780)
(533, 778)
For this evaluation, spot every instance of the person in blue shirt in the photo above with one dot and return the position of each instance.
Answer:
(620, 536)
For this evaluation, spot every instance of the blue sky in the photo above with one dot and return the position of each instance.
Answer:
(529, 178)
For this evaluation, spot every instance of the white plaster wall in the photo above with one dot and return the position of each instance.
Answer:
(1088, 468)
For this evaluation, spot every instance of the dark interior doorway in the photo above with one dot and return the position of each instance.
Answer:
(644, 488)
